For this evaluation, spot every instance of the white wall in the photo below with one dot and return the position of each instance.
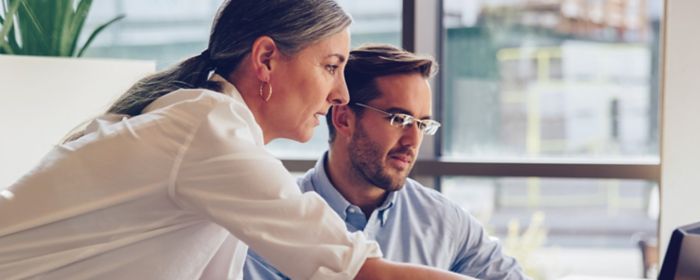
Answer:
(680, 154)
(42, 99)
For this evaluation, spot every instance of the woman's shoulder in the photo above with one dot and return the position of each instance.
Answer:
(208, 112)
(198, 104)
(201, 97)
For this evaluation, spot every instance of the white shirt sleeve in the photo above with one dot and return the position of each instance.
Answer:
(228, 177)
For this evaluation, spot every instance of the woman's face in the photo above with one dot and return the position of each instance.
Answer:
(305, 85)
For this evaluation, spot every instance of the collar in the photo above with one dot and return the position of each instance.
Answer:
(322, 185)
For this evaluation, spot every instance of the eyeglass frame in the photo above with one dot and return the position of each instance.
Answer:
(425, 126)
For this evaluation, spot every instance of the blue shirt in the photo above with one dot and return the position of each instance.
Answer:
(414, 225)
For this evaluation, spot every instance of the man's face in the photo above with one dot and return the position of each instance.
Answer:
(379, 152)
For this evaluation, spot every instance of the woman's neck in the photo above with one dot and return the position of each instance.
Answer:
(247, 85)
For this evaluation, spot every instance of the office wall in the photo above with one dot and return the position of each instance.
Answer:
(680, 154)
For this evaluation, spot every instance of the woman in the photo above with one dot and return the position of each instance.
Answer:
(174, 178)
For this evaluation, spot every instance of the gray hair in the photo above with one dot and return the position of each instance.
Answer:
(292, 24)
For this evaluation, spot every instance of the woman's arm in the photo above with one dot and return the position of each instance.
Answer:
(225, 176)
(377, 268)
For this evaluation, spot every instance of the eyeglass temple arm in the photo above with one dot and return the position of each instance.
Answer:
(374, 109)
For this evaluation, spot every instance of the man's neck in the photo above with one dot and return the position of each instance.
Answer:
(351, 185)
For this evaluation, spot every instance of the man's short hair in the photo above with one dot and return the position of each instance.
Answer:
(371, 61)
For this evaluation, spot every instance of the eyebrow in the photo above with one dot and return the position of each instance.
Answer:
(339, 56)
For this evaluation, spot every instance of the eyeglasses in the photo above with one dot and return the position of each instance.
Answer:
(427, 127)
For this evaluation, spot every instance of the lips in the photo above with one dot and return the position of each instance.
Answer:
(402, 158)
(407, 158)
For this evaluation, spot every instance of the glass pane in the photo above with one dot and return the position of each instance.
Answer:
(558, 227)
(164, 31)
(373, 21)
(539, 79)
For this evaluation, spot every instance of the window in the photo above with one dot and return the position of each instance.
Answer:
(551, 79)
(559, 226)
(566, 90)
(164, 31)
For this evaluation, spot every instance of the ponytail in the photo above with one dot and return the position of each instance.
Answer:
(191, 73)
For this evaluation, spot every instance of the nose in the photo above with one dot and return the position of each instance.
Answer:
(339, 94)
(412, 136)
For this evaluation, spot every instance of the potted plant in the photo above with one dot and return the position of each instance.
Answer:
(46, 27)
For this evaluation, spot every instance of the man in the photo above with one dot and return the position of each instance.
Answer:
(374, 141)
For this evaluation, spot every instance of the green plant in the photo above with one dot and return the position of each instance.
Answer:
(46, 27)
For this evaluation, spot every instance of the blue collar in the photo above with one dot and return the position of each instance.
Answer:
(323, 186)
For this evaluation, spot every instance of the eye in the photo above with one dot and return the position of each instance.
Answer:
(402, 120)
(331, 68)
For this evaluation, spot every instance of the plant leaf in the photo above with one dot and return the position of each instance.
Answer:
(76, 25)
(46, 27)
(97, 31)
(33, 34)
(62, 16)
(2, 21)
(8, 28)
(10, 38)
(45, 12)
(13, 41)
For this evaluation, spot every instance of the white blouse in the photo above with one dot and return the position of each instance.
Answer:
(174, 193)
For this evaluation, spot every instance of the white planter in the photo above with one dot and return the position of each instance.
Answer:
(43, 98)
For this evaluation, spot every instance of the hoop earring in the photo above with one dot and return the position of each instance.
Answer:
(269, 92)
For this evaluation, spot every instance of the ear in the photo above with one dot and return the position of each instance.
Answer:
(262, 53)
(344, 120)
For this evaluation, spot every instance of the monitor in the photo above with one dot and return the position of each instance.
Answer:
(682, 260)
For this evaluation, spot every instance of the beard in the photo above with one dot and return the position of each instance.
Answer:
(367, 161)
